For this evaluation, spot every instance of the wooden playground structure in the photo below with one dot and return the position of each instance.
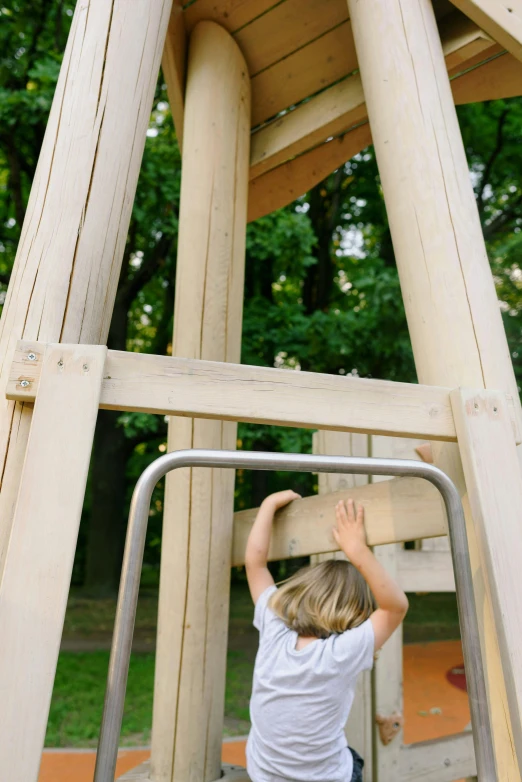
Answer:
(268, 98)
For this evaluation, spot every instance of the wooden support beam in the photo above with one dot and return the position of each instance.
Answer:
(450, 299)
(396, 510)
(173, 65)
(67, 267)
(197, 525)
(502, 19)
(39, 561)
(236, 392)
(342, 107)
(426, 571)
(439, 760)
(492, 473)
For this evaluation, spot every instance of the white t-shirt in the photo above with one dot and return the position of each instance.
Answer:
(301, 701)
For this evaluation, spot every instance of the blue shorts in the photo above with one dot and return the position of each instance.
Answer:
(358, 765)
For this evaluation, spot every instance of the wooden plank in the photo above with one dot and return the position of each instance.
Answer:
(333, 111)
(197, 524)
(426, 571)
(173, 65)
(387, 681)
(396, 510)
(502, 19)
(499, 78)
(439, 760)
(143, 773)
(342, 106)
(168, 385)
(359, 727)
(282, 185)
(451, 303)
(39, 561)
(492, 473)
(68, 261)
(230, 14)
(288, 26)
(303, 73)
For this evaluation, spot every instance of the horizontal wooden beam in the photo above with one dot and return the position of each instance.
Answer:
(426, 571)
(342, 106)
(396, 510)
(205, 389)
(502, 19)
(439, 760)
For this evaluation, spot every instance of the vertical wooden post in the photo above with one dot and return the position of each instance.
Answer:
(39, 561)
(197, 536)
(359, 727)
(67, 267)
(449, 295)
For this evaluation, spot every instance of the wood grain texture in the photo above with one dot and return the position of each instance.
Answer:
(502, 19)
(494, 482)
(67, 267)
(173, 66)
(39, 560)
(450, 299)
(197, 526)
(218, 390)
(439, 760)
(426, 571)
(395, 510)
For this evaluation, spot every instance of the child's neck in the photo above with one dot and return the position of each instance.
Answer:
(304, 640)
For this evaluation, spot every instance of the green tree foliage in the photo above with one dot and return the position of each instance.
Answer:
(322, 291)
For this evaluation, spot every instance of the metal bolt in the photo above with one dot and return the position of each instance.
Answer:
(25, 383)
(476, 406)
(85, 367)
(495, 409)
(60, 363)
(447, 762)
(32, 356)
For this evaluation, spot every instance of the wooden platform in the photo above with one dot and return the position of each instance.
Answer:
(306, 89)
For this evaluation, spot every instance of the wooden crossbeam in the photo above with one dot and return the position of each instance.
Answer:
(342, 106)
(395, 510)
(502, 19)
(205, 389)
(165, 385)
(439, 760)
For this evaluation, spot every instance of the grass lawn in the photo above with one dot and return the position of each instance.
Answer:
(79, 688)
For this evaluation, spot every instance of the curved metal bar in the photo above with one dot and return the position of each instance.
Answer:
(133, 558)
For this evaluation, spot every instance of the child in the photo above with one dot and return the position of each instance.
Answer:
(316, 634)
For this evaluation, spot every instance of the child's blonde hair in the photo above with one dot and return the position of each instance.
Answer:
(324, 599)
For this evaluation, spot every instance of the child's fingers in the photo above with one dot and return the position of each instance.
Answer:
(340, 513)
(335, 533)
(351, 510)
(360, 514)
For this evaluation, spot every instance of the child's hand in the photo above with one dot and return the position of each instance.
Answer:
(281, 498)
(349, 533)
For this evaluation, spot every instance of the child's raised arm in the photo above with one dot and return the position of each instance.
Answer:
(258, 543)
(350, 536)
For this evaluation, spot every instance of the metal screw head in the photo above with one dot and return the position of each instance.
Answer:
(25, 383)
(60, 363)
(447, 762)
(85, 367)
(31, 356)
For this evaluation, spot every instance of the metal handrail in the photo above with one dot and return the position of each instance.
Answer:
(133, 558)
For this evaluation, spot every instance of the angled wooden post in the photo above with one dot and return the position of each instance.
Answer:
(198, 520)
(492, 472)
(450, 300)
(40, 556)
(68, 263)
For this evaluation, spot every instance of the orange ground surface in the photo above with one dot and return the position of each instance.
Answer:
(432, 708)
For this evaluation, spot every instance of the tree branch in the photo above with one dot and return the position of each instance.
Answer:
(502, 219)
